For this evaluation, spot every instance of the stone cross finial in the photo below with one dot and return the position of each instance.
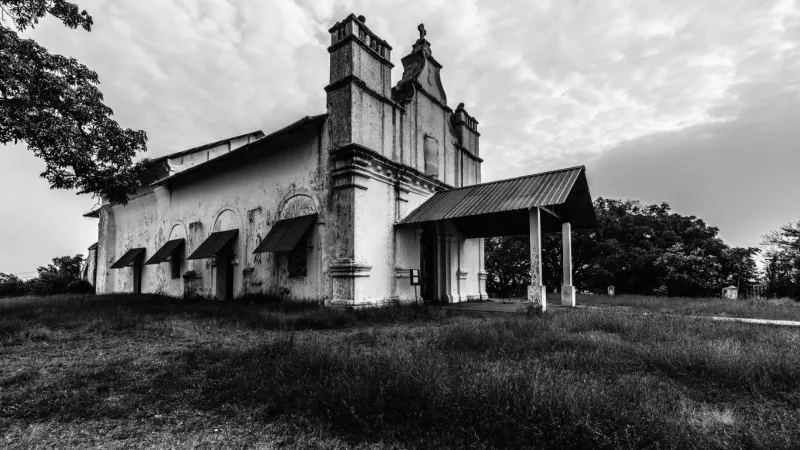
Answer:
(422, 31)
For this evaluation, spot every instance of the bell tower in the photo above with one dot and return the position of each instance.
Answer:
(360, 64)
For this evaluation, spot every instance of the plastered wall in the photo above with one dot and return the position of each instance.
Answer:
(232, 195)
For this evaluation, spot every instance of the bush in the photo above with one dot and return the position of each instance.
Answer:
(61, 277)
(48, 284)
(11, 285)
(80, 287)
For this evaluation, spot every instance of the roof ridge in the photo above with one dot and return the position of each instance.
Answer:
(517, 178)
(203, 146)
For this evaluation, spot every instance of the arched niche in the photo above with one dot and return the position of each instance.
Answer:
(178, 231)
(298, 205)
(226, 220)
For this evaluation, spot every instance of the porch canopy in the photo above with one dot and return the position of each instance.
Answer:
(501, 208)
(214, 244)
(285, 234)
(549, 201)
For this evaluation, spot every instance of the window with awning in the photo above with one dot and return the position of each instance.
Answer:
(285, 234)
(130, 257)
(166, 251)
(172, 250)
(214, 244)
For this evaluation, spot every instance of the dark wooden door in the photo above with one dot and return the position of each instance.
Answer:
(137, 278)
(427, 266)
(225, 275)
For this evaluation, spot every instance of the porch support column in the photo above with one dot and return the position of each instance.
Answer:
(567, 289)
(536, 291)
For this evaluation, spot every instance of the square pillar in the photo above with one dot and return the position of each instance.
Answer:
(567, 289)
(536, 291)
(446, 271)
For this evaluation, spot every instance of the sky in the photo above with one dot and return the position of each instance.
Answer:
(693, 103)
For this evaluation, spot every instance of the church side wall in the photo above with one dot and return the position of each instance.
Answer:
(245, 196)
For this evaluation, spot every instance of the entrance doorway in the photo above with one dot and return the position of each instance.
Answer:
(427, 264)
(224, 260)
(137, 277)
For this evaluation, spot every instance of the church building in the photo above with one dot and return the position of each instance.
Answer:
(377, 199)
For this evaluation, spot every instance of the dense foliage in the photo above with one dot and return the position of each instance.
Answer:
(61, 277)
(783, 261)
(640, 249)
(52, 103)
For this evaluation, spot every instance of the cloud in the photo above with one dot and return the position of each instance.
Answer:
(647, 92)
(739, 173)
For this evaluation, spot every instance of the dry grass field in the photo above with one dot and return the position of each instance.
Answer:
(153, 372)
(776, 309)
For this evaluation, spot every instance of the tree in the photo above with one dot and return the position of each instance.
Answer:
(62, 276)
(507, 265)
(739, 266)
(640, 249)
(10, 285)
(688, 273)
(783, 261)
(52, 103)
(66, 266)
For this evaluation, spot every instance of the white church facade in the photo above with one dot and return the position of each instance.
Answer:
(344, 207)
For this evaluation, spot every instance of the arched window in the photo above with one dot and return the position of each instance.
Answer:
(431, 149)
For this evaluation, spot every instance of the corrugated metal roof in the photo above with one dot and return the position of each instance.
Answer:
(129, 257)
(213, 244)
(542, 189)
(239, 150)
(165, 251)
(205, 146)
(93, 213)
(285, 234)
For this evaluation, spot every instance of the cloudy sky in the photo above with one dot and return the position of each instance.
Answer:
(693, 103)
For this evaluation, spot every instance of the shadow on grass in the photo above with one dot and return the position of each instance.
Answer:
(412, 394)
(572, 380)
(128, 312)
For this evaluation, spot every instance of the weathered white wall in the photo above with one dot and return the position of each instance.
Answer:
(243, 195)
(91, 265)
(374, 243)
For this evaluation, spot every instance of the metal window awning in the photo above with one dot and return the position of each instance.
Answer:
(165, 251)
(501, 207)
(129, 258)
(285, 234)
(214, 244)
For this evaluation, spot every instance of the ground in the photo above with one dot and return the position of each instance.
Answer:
(148, 371)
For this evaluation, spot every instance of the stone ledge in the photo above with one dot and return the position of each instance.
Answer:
(349, 268)
(374, 303)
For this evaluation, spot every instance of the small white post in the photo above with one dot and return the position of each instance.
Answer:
(536, 291)
(567, 289)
